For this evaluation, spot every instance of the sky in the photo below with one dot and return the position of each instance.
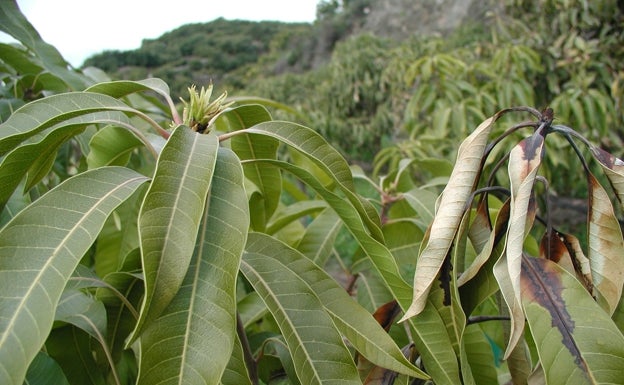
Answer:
(80, 28)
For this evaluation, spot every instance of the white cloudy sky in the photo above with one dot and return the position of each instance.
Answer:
(79, 28)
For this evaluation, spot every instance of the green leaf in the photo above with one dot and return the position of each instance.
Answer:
(16, 203)
(571, 331)
(319, 355)
(44, 113)
(268, 179)
(379, 254)
(83, 311)
(37, 153)
(293, 213)
(480, 356)
(480, 226)
(88, 314)
(251, 308)
(122, 296)
(403, 239)
(281, 351)
(18, 57)
(236, 371)
(71, 348)
(111, 146)
(353, 321)
(41, 247)
(312, 145)
(40, 168)
(445, 297)
(423, 202)
(202, 313)
(483, 284)
(372, 290)
(521, 366)
(122, 88)
(245, 116)
(266, 102)
(13, 22)
(318, 241)
(430, 332)
(170, 217)
(434, 344)
(45, 371)
(119, 236)
(325, 157)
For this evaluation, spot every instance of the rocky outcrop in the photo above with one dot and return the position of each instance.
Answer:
(399, 19)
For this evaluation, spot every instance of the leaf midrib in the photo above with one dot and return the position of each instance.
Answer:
(288, 321)
(53, 255)
(191, 306)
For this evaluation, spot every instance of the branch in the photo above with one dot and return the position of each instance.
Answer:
(250, 362)
(483, 318)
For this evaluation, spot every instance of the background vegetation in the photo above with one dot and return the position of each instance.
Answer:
(365, 91)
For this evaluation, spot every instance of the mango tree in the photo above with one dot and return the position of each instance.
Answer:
(219, 246)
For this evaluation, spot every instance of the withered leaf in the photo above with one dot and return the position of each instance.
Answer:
(613, 168)
(524, 161)
(452, 205)
(605, 247)
(495, 236)
(386, 314)
(565, 250)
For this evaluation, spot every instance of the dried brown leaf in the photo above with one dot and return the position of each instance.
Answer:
(606, 247)
(565, 250)
(452, 205)
(524, 161)
(495, 236)
(613, 168)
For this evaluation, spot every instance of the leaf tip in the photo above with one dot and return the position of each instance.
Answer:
(415, 308)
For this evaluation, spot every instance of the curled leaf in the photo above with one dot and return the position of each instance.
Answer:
(524, 161)
(495, 235)
(451, 210)
(605, 247)
(613, 168)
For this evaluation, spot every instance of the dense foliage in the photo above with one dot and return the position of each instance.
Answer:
(199, 53)
(404, 93)
(145, 242)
